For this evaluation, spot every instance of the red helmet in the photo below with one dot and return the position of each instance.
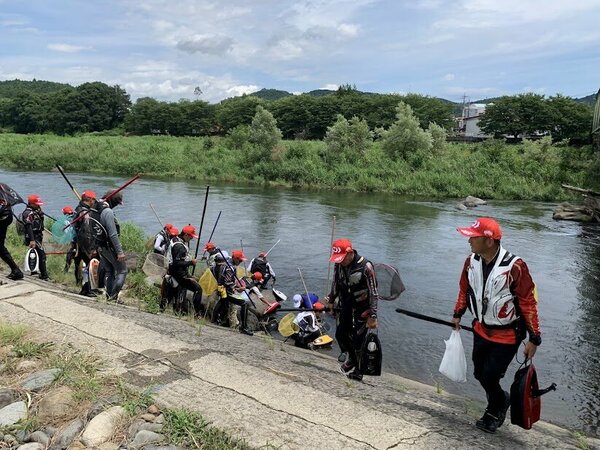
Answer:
(67, 210)
(257, 276)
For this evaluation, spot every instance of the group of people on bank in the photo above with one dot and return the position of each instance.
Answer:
(95, 234)
(495, 286)
(231, 289)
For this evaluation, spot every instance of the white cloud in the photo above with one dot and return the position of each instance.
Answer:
(348, 29)
(67, 48)
(286, 50)
(206, 43)
(449, 77)
(330, 87)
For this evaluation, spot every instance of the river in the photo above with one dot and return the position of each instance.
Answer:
(416, 236)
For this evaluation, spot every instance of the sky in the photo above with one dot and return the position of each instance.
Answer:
(165, 49)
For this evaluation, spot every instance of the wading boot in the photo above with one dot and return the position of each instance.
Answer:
(15, 274)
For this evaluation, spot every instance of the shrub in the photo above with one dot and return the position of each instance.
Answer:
(351, 138)
(438, 137)
(405, 136)
(264, 132)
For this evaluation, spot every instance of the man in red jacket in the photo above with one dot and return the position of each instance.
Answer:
(498, 290)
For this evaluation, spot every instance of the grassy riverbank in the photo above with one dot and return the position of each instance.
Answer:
(87, 388)
(491, 170)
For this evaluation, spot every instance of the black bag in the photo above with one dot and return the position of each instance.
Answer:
(525, 401)
(371, 355)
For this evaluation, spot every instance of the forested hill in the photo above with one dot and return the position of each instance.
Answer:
(12, 88)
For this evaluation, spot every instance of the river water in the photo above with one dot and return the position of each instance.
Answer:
(416, 236)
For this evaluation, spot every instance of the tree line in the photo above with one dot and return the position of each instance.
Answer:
(98, 107)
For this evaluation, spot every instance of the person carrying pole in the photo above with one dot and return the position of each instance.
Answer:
(180, 260)
(230, 287)
(498, 290)
(355, 285)
(106, 234)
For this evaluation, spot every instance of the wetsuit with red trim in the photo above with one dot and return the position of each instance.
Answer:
(494, 347)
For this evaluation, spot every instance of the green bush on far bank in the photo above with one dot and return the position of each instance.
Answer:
(492, 169)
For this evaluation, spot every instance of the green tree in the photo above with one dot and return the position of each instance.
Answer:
(351, 137)
(438, 137)
(519, 115)
(264, 132)
(144, 117)
(236, 111)
(429, 109)
(569, 118)
(405, 138)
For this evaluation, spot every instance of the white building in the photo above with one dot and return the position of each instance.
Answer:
(469, 122)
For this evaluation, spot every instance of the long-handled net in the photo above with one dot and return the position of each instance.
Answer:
(389, 282)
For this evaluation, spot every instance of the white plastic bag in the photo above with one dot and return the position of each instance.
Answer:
(454, 362)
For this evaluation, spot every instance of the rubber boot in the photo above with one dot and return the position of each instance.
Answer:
(244, 325)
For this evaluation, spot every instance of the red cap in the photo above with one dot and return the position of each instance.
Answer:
(89, 194)
(168, 226)
(318, 306)
(482, 227)
(173, 231)
(34, 199)
(209, 246)
(189, 229)
(67, 210)
(262, 254)
(258, 276)
(340, 249)
(238, 254)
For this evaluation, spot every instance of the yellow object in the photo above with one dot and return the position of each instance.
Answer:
(286, 326)
(222, 291)
(240, 272)
(322, 341)
(208, 283)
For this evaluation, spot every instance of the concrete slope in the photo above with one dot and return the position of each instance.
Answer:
(260, 389)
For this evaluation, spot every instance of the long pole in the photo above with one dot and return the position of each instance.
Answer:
(201, 224)
(430, 319)
(108, 197)
(304, 284)
(242, 247)
(156, 215)
(60, 169)
(212, 232)
(230, 267)
(327, 286)
(278, 241)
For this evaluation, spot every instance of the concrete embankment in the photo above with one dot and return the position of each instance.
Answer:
(260, 389)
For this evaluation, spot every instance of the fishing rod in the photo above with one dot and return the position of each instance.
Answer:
(212, 232)
(201, 224)
(244, 262)
(156, 215)
(328, 286)
(108, 197)
(278, 241)
(60, 169)
(430, 319)
(230, 267)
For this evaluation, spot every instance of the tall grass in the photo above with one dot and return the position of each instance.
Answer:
(531, 170)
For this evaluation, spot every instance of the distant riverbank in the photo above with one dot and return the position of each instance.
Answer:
(491, 170)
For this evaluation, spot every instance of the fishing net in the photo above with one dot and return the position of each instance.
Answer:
(208, 283)
(286, 326)
(154, 267)
(389, 283)
(61, 232)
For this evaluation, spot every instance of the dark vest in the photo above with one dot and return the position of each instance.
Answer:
(36, 219)
(352, 283)
(98, 230)
(259, 265)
